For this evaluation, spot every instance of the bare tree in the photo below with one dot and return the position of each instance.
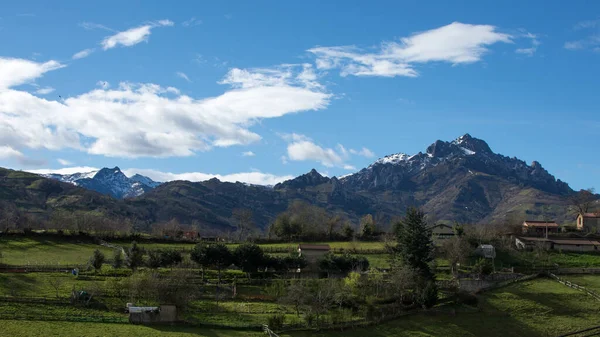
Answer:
(456, 250)
(582, 201)
(9, 216)
(242, 218)
(56, 283)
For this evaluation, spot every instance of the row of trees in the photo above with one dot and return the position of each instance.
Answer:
(304, 221)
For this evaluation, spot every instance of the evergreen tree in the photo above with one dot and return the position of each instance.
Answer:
(415, 251)
(135, 256)
(97, 259)
(415, 246)
(117, 258)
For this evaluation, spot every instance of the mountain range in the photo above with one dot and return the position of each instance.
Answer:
(461, 180)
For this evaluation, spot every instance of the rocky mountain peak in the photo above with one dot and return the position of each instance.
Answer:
(474, 144)
(311, 178)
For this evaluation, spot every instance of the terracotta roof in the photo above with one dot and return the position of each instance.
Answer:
(313, 247)
(591, 215)
(540, 224)
(577, 242)
(581, 242)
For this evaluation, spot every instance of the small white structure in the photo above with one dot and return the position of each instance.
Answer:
(487, 251)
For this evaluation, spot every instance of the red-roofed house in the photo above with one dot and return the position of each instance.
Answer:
(540, 227)
(588, 222)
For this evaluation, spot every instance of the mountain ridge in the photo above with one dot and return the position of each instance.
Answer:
(460, 180)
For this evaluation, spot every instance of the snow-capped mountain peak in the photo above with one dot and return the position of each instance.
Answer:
(110, 181)
(393, 158)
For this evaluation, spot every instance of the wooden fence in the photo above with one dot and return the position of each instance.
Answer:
(575, 286)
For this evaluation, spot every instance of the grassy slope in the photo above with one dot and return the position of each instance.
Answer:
(19, 251)
(36, 328)
(536, 308)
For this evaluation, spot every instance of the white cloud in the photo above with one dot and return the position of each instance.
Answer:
(7, 152)
(248, 154)
(257, 178)
(82, 54)
(302, 148)
(144, 120)
(44, 91)
(590, 42)
(64, 162)
(535, 42)
(191, 22)
(456, 43)
(307, 150)
(284, 160)
(94, 26)
(298, 74)
(363, 152)
(183, 75)
(66, 170)
(133, 36)
(14, 71)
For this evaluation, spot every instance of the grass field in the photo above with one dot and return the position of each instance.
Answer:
(22, 251)
(540, 307)
(39, 328)
(592, 282)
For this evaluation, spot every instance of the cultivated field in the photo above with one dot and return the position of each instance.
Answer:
(36, 303)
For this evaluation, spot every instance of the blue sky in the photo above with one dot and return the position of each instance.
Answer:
(262, 91)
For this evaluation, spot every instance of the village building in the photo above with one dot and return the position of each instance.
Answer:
(540, 228)
(442, 231)
(588, 222)
(571, 245)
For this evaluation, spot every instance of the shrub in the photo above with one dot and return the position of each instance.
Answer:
(276, 321)
(429, 295)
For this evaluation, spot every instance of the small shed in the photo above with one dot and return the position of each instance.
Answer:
(487, 251)
(152, 315)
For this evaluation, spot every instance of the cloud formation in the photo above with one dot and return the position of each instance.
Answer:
(82, 54)
(590, 41)
(255, 178)
(44, 91)
(191, 22)
(15, 71)
(145, 119)
(248, 154)
(456, 43)
(535, 42)
(183, 76)
(133, 36)
(302, 148)
(64, 162)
